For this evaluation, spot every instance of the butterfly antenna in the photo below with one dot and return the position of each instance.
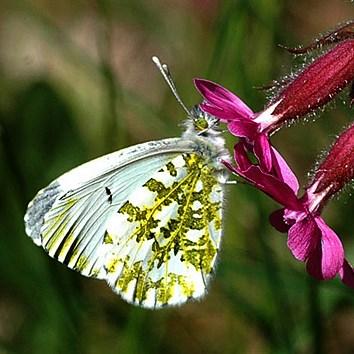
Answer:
(163, 68)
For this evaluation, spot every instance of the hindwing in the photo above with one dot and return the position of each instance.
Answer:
(166, 235)
(147, 219)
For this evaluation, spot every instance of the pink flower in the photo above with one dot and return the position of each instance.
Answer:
(230, 109)
(310, 89)
(313, 87)
(280, 183)
(310, 239)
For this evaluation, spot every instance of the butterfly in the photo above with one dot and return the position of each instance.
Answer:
(147, 219)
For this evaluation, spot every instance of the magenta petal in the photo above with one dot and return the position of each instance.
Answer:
(270, 185)
(303, 237)
(347, 274)
(224, 115)
(243, 128)
(262, 149)
(240, 156)
(277, 221)
(222, 98)
(327, 258)
(283, 171)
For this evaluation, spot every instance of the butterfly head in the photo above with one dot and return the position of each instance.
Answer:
(199, 123)
(202, 121)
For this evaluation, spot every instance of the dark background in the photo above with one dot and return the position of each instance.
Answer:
(77, 81)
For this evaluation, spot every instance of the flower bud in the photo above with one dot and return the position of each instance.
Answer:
(337, 169)
(316, 84)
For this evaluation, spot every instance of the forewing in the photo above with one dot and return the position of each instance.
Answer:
(69, 217)
(164, 239)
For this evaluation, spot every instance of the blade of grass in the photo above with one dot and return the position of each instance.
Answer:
(316, 320)
(114, 125)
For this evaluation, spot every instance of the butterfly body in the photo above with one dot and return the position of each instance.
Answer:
(147, 219)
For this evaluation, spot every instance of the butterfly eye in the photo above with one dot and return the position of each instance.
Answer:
(200, 123)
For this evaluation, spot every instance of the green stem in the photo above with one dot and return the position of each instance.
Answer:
(114, 127)
(284, 319)
(315, 315)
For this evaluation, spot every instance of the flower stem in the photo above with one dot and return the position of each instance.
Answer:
(315, 315)
(284, 324)
(114, 129)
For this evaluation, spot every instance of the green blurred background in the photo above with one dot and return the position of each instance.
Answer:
(77, 81)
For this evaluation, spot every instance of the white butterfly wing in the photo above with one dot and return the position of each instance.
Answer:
(68, 218)
(147, 219)
(167, 235)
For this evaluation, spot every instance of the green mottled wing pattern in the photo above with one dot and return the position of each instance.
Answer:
(147, 219)
(74, 228)
(69, 217)
(163, 241)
